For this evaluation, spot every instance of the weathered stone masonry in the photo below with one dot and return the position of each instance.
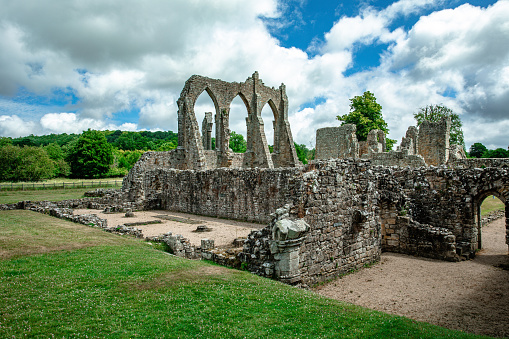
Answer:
(354, 210)
(331, 216)
(194, 148)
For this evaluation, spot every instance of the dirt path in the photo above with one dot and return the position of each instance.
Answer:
(471, 296)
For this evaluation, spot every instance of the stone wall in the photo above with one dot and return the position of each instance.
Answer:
(423, 146)
(337, 142)
(248, 194)
(353, 210)
(478, 163)
(433, 141)
(396, 158)
(192, 144)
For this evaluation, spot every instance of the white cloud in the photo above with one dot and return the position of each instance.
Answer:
(127, 55)
(14, 126)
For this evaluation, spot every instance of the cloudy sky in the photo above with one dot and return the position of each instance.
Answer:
(66, 66)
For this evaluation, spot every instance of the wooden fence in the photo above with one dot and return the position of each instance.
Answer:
(60, 185)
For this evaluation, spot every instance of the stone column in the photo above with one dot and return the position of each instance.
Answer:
(288, 237)
(287, 260)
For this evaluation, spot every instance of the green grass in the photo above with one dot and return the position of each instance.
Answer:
(10, 197)
(61, 183)
(489, 205)
(61, 180)
(75, 282)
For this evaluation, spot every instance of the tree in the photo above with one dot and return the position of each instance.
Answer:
(435, 113)
(237, 143)
(56, 154)
(91, 156)
(477, 150)
(366, 115)
(27, 163)
(497, 153)
(302, 152)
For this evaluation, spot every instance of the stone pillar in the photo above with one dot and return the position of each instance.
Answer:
(507, 223)
(288, 237)
(206, 131)
(287, 260)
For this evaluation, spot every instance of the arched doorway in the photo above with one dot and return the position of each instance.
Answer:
(489, 203)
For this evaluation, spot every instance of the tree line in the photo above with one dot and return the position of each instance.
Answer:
(91, 154)
(102, 154)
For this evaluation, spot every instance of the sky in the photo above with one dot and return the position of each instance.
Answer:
(66, 66)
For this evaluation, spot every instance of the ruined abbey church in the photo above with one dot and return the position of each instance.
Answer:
(333, 215)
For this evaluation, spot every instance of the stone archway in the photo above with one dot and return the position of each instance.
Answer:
(190, 152)
(478, 200)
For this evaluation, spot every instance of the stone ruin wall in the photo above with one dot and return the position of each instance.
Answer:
(427, 145)
(329, 217)
(194, 149)
(354, 211)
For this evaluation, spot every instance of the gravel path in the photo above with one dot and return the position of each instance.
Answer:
(222, 231)
(472, 296)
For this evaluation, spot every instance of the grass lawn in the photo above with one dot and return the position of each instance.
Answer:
(10, 197)
(61, 180)
(59, 279)
(489, 204)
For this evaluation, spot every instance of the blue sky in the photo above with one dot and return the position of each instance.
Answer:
(69, 66)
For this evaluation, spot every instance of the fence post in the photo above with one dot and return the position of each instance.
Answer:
(22, 187)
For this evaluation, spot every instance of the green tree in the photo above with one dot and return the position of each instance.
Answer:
(5, 141)
(436, 113)
(55, 152)
(477, 150)
(92, 156)
(27, 163)
(496, 153)
(237, 143)
(366, 115)
(302, 152)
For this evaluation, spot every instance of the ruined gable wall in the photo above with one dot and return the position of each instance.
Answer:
(255, 96)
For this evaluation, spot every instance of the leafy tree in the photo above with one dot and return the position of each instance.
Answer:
(366, 115)
(55, 152)
(497, 153)
(477, 150)
(27, 163)
(25, 141)
(8, 160)
(166, 146)
(435, 113)
(91, 157)
(302, 152)
(5, 141)
(237, 143)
